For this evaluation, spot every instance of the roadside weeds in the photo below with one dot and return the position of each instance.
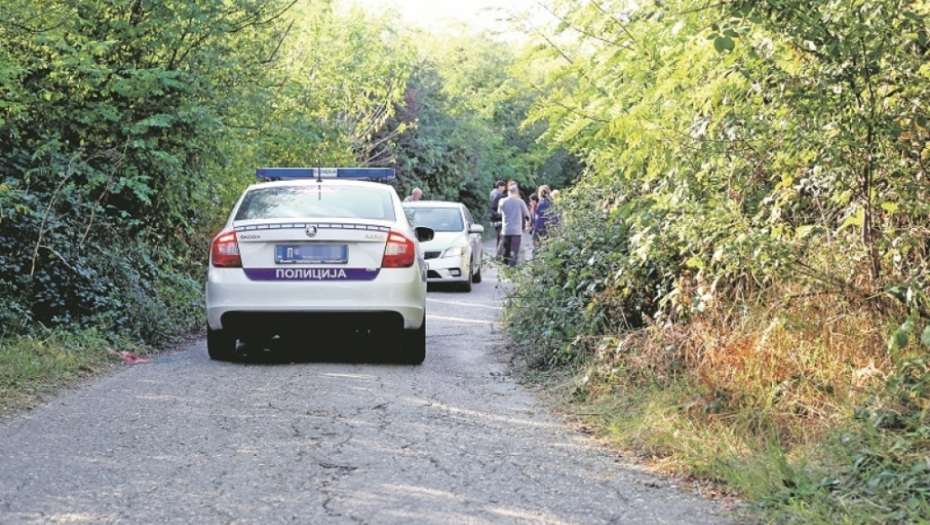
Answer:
(36, 368)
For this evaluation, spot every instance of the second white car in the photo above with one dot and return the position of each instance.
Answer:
(454, 254)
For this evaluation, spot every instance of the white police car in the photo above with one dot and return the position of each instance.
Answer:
(316, 254)
(454, 254)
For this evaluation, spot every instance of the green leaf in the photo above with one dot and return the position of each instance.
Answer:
(899, 339)
(854, 220)
(695, 262)
(894, 131)
(724, 43)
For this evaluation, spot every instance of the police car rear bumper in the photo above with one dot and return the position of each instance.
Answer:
(400, 291)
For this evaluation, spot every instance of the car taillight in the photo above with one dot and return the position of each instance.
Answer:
(400, 252)
(225, 251)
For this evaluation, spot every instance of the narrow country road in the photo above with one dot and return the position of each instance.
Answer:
(332, 440)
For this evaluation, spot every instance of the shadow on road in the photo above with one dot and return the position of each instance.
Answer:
(354, 349)
(453, 288)
(353, 346)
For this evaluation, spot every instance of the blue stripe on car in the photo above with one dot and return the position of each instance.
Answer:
(311, 274)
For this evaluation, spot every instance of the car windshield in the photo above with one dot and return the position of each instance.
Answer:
(439, 219)
(317, 201)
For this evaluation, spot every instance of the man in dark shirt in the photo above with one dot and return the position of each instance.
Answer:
(493, 202)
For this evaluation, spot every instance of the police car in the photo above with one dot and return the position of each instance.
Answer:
(318, 253)
(454, 254)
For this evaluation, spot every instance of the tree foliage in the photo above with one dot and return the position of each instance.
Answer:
(732, 143)
(463, 113)
(111, 112)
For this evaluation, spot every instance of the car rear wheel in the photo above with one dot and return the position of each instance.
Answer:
(413, 345)
(220, 345)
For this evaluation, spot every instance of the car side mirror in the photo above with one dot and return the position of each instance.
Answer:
(424, 234)
(476, 228)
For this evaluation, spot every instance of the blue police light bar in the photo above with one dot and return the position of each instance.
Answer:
(325, 173)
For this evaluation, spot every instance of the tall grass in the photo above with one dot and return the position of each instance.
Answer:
(34, 367)
(793, 400)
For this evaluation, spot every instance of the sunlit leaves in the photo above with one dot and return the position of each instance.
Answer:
(465, 110)
(112, 113)
(704, 113)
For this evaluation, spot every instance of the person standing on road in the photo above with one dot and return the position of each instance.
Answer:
(541, 218)
(494, 214)
(512, 182)
(415, 195)
(514, 216)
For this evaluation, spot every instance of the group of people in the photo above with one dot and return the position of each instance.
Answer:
(511, 217)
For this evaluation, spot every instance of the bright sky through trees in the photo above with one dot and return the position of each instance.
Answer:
(476, 14)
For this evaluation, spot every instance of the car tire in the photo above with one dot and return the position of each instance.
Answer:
(220, 345)
(465, 285)
(413, 345)
(476, 278)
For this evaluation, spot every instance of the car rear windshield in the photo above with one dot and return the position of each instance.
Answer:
(317, 201)
(439, 219)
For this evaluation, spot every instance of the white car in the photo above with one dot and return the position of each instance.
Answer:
(454, 254)
(317, 254)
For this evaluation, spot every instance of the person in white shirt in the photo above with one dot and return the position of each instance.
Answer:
(515, 217)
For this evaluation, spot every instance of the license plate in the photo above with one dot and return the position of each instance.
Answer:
(311, 254)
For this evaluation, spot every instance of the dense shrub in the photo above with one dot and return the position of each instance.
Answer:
(585, 280)
(66, 262)
(111, 118)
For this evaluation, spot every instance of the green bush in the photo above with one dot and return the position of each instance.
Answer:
(112, 120)
(65, 263)
(584, 281)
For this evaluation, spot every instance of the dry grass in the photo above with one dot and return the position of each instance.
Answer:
(747, 401)
(803, 364)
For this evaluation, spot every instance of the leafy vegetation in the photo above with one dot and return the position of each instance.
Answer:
(463, 116)
(756, 284)
(115, 112)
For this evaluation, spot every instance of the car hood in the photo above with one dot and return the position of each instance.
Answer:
(443, 240)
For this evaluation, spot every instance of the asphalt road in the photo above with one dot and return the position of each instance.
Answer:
(339, 438)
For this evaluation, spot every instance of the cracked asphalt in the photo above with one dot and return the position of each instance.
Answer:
(337, 437)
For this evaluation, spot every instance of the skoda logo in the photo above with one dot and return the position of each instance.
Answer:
(311, 231)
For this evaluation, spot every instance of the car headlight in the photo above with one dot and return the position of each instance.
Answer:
(455, 251)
